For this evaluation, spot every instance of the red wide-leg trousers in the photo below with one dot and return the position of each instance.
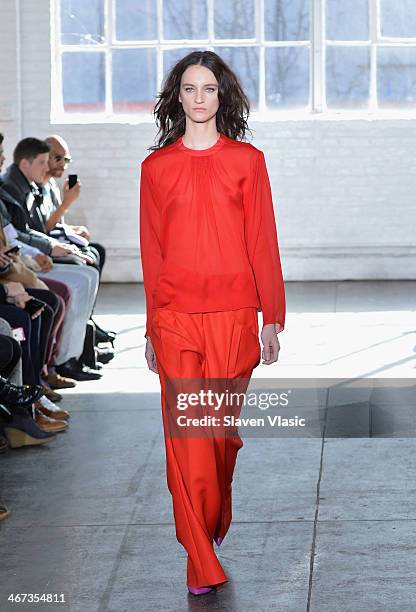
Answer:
(199, 470)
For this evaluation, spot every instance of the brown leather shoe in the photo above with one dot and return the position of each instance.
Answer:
(52, 412)
(49, 409)
(56, 381)
(48, 424)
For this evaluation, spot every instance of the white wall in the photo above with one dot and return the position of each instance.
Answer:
(9, 73)
(344, 190)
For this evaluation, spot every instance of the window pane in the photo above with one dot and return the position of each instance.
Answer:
(185, 19)
(234, 19)
(347, 20)
(136, 20)
(398, 18)
(396, 77)
(287, 77)
(83, 81)
(82, 22)
(286, 19)
(134, 80)
(347, 77)
(171, 56)
(244, 61)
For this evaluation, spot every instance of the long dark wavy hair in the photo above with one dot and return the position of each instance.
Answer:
(233, 110)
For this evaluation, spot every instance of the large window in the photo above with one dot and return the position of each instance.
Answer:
(313, 56)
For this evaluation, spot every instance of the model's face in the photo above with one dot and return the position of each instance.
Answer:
(199, 94)
(35, 170)
(59, 158)
(2, 156)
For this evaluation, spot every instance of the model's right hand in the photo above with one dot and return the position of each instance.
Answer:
(150, 356)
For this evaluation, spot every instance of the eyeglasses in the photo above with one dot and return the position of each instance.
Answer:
(59, 158)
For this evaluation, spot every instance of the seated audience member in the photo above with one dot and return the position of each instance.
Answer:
(54, 208)
(81, 279)
(20, 272)
(12, 391)
(17, 270)
(35, 329)
(14, 395)
(20, 180)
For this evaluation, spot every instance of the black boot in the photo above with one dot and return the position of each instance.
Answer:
(13, 395)
(102, 335)
(73, 368)
(88, 353)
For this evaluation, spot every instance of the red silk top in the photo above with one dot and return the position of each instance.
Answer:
(208, 236)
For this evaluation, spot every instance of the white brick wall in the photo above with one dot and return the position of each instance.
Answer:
(344, 190)
(9, 71)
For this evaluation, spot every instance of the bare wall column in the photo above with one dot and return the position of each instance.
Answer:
(10, 112)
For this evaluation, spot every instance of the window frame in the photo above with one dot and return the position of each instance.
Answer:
(316, 108)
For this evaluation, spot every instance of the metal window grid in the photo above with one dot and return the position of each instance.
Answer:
(316, 107)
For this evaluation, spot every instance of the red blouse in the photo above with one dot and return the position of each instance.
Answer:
(208, 236)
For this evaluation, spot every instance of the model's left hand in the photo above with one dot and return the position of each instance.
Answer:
(271, 345)
(151, 356)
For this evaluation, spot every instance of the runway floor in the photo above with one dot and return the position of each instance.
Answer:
(319, 523)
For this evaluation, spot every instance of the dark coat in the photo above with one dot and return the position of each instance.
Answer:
(14, 190)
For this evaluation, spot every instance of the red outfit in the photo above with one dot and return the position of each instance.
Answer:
(207, 231)
(210, 261)
(219, 346)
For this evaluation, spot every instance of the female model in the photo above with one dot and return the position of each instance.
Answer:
(210, 262)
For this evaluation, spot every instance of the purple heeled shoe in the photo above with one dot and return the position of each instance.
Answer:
(218, 540)
(199, 590)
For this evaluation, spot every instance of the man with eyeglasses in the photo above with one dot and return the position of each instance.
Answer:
(56, 206)
(57, 164)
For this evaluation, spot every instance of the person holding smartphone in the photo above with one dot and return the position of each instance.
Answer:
(58, 205)
(17, 187)
(55, 206)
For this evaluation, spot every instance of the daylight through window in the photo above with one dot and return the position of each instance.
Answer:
(110, 56)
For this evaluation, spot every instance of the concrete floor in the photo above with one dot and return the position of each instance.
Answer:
(320, 524)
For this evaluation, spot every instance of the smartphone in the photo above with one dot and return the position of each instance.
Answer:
(34, 305)
(72, 180)
(14, 249)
